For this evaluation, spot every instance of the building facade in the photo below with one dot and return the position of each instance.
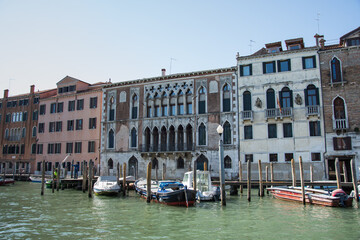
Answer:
(171, 121)
(281, 112)
(68, 130)
(340, 71)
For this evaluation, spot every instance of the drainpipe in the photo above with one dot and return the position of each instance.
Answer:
(238, 111)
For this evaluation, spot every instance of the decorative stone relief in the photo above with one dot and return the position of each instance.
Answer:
(298, 99)
(258, 103)
(122, 96)
(213, 87)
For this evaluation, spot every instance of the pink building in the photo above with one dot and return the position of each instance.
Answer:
(69, 125)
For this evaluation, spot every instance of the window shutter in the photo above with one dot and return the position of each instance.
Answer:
(303, 62)
(251, 69)
(241, 70)
(317, 96)
(289, 61)
(291, 98)
(279, 66)
(264, 67)
(314, 61)
(280, 100)
(306, 97)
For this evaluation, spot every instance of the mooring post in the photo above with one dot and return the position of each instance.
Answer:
(222, 172)
(194, 178)
(156, 172)
(302, 180)
(72, 168)
(84, 176)
(42, 177)
(148, 183)
(121, 172)
(58, 177)
(267, 177)
(337, 172)
(311, 174)
(293, 173)
(124, 179)
(240, 177)
(163, 171)
(354, 181)
(261, 189)
(249, 180)
(205, 166)
(118, 173)
(90, 178)
(345, 172)
(272, 173)
(53, 179)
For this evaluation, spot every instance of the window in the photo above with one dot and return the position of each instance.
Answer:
(60, 107)
(41, 127)
(248, 132)
(133, 138)
(287, 127)
(339, 108)
(284, 65)
(111, 115)
(69, 147)
(245, 70)
(315, 128)
(286, 98)
(53, 108)
(157, 111)
(309, 62)
(42, 109)
(202, 134)
(202, 100)
(270, 99)
(70, 125)
(269, 67)
(342, 143)
(23, 134)
(227, 162)
(40, 148)
(288, 157)
(24, 116)
(315, 157)
(80, 104)
(273, 157)
(111, 139)
(34, 132)
(57, 148)
(335, 70)
(249, 157)
(50, 148)
(272, 131)
(189, 108)
(227, 133)
(226, 98)
(91, 146)
(172, 110)
(52, 127)
(247, 101)
(93, 102)
(79, 124)
(353, 42)
(311, 96)
(36, 100)
(78, 146)
(134, 107)
(35, 115)
(180, 109)
(71, 106)
(58, 127)
(154, 164)
(92, 123)
(180, 163)
(164, 109)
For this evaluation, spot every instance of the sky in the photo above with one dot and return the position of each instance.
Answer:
(43, 41)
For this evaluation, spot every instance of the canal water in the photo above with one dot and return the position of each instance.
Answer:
(70, 214)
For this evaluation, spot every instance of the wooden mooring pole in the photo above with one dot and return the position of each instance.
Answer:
(84, 177)
(148, 183)
(72, 169)
(124, 179)
(53, 179)
(42, 177)
(90, 179)
(240, 177)
(118, 173)
(293, 173)
(311, 174)
(302, 180)
(345, 172)
(354, 181)
(272, 172)
(205, 166)
(337, 172)
(249, 180)
(58, 177)
(194, 177)
(261, 188)
(267, 177)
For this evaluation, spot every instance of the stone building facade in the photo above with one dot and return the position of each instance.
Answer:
(171, 121)
(280, 107)
(340, 74)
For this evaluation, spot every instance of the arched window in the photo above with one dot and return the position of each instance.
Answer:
(111, 109)
(23, 133)
(270, 98)
(339, 108)
(134, 109)
(154, 163)
(172, 138)
(286, 98)
(227, 133)
(247, 101)
(202, 100)
(111, 139)
(201, 161)
(6, 133)
(133, 138)
(110, 164)
(34, 132)
(189, 137)
(35, 115)
(147, 139)
(227, 162)
(311, 96)
(335, 70)
(202, 134)
(163, 139)
(180, 138)
(226, 98)
(155, 139)
(180, 163)
(133, 167)
(180, 103)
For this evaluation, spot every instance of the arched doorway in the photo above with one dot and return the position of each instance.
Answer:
(200, 162)
(133, 167)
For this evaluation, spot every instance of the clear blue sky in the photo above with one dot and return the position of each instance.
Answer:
(42, 41)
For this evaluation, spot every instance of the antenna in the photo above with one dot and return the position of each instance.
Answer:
(318, 22)
(251, 41)
(171, 59)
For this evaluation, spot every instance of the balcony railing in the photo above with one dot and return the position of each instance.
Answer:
(312, 110)
(277, 112)
(166, 148)
(247, 115)
(13, 138)
(339, 124)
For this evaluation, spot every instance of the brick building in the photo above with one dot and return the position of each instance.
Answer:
(340, 71)
(171, 121)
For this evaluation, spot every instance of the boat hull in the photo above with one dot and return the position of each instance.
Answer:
(184, 197)
(6, 182)
(106, 192)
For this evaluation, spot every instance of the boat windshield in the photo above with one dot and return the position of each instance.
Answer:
(202, 182)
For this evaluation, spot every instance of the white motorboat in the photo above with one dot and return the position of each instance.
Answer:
(205, 190)
(106, 185)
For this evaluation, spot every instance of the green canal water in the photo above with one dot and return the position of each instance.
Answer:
(70, 214)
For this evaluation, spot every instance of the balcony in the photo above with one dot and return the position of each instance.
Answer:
(279, 113)
(247, 115)
(313, 110)
(148, 148)
(340, 124)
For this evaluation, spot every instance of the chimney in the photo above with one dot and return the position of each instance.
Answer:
(6, 93)
(322, 43)
(163, 72)
(318, 39)
(32, 88)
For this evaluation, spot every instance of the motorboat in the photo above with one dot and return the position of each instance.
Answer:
(106, 185)
(205, 190)
(6, 181)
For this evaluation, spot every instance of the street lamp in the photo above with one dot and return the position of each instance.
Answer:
(220, 130)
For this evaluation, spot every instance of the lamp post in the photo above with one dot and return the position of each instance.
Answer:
(221, 166)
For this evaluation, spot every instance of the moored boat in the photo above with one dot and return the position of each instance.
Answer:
(6, 181)
(106, 185)
(336, 198)
(205, 190)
